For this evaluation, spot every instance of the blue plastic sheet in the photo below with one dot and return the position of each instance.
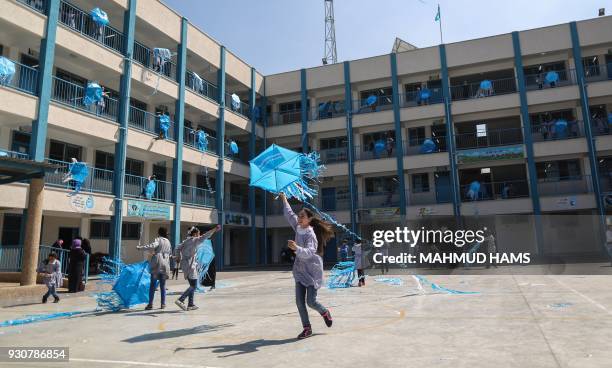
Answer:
(7, 70)
(132, 286)
(150, 189)
(560, 129)
(428, 146)
(235, 101)
(99, 16)
(93, 94)
(371, 100)
(233, 147)
(379, 147)
(436, 287)
(424, 94)
(78, 172)
(474, 190)
(39, 318)
(486, 85)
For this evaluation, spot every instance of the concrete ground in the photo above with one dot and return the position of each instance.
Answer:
(251, 321)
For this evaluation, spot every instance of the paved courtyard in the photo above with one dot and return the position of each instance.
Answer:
(251, 321)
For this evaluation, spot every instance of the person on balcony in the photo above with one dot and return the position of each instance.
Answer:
(390, 143)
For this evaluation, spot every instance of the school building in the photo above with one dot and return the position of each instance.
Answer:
(512, 131)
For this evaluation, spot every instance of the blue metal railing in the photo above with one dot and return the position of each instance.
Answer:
(134, 187)
(538, 81)
(598, 73)
(82, 22)
(71, 94)
(412, 99)
(410, 148)
(13, 154)
(190, 139)
(25, 79)
(237, 203)
(143, 55)
(369, 153)
(11, 257)
(148, 122)
(285, 117)
(479, 89)
(546, 131)
(242, 108)
(496, 190)
(332, 155)
(380, 104)
(493, 138)
(205, 88)
(98, 180)
(242, 156)
(198, 196)
(38, 5)
(327, 110)
(578, 184)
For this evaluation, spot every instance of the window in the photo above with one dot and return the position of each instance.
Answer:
(160, 172)
(379, 185)
(130, 231)
(558, 170)
(416, 136)
(543, 68)
(138, 104)
(542, 117)
(290, 106)
(186, 178)
(385, 95)
(201, 182)
(591, 66)
(134, 167)
(64, 151)
(21, 142)
(105, 160)
(99, 229)
(11, 229)
(331, 143)
(72, 78)
(420, 183)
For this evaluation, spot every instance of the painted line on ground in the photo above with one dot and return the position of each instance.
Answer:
(598, 305)
(129, 362)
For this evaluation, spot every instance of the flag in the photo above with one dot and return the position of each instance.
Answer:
(438, 14)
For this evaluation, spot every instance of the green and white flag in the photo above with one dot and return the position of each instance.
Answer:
(438, 14)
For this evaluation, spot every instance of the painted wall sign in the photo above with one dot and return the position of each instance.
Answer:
(148, 210)
(82, 203)
(237, 219)
(490, 154)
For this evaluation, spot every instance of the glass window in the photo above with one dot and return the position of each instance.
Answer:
(130, 231)
(11, 229)
(99, 229)
(591, 65)
(105, 160)
(330, 143)
(63, 151)
(416, 136)
(370, 138)
(186, 178)
(290, 106)
(558, 170)
(160, 172)
(21, 142)
(420, 183)
(379, 185)
(134, 167)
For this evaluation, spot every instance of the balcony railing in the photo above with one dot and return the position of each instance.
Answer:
(25, 79)
(198, 196)
(242, 155)
(201, 86)
(241, 108)
(495, 190)
(71, 94)
(327, 110)
(542, 132)
(13, 154)
(145, 57)
(427, 197)
(545, 79)
(370, 153)
(148, 122)
(81, 22)
(38, 5)
(379, 199)
(493, 138)
(381, 103)
(98, 180)
(486, 88)
(415, 98)
(237, 203)
(331, 155)
(135, 185)
(190, 139)
(565, 185)
(410, 149)
(598, 73)
(285, 117)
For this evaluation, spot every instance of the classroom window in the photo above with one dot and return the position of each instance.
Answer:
(384, 95)
(61, 151)
(371, 138)
(130, 231)
(416, 136)
(134, 167)
(105, 160)
(99, 229)
(21, 142)
(11, 229)
(379, 185)
(331, 143)
(558, 170)
(420, 183)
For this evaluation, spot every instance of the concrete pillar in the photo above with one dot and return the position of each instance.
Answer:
(84, 226)
(32, 233)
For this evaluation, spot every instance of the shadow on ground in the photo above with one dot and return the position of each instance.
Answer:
(177, 333)
(243, 348)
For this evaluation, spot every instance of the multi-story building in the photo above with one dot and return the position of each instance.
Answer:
(404, 136)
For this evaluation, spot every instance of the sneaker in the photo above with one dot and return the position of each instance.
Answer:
(181, 304)
(148, 307)
(212, 288)
(327, 318)
(306, 333)
(193, 307)
(56, 299)
(44, 299)
(163, 306)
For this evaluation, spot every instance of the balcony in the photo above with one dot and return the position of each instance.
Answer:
(379, 199)
(134, 187)
(198, 197)
(493, 138)
(327, 110)
(420, 98)
(148, 122)
(580, 184)
(71, 95)
(238, 107)
(485, 88)
(559, 130)
(237, 203)
(201, 86)
(373, 104)
(426, 146)
(98, 180)
(38, 5)
(285, 117)
(598, 73)
(144, 56)
(25, 79)
(81, 22)
(333, 155)
(370, 153)
(550, 79)
(486, 191)
(190, 139)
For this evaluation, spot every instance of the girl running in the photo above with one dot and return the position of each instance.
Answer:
(311, 235)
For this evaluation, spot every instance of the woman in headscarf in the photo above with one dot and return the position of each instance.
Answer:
(75, 268)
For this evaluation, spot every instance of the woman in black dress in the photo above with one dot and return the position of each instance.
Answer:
(75, 268)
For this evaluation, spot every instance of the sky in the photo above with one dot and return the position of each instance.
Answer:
(276, 36)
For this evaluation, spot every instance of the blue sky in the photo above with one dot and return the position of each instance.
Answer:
(281, 35)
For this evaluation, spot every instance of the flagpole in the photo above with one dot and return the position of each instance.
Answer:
(440, 14)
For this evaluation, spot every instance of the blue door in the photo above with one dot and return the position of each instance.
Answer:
(443, 188)
(331, 253)
(329, 199)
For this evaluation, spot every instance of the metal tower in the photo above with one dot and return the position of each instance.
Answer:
(330, 56)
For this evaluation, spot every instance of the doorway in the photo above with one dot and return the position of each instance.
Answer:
(68, 234)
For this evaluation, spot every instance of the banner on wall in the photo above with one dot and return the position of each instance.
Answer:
(566, 202)
(388, 214)
(237, 219)
(148, 210)
(490, 154)
(82, 203)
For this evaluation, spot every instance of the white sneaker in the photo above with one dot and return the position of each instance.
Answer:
(193, 307)
(181, 304)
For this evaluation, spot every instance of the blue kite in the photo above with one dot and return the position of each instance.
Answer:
(202, 140)
(204, 258)
(77, 172)
(486, 85)
(132, 286)
(428, 146)
(424, 94)
(164, 125)
(371, 100)
(233, 147)
(474, 190)
(551, 78)
(7, 70)
(379, 147)
(99, 17)
(93, 94)
(279, 170)
(341, 275)
(560, 129)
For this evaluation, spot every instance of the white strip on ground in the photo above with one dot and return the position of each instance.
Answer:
(598, 305)
(148, 364)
